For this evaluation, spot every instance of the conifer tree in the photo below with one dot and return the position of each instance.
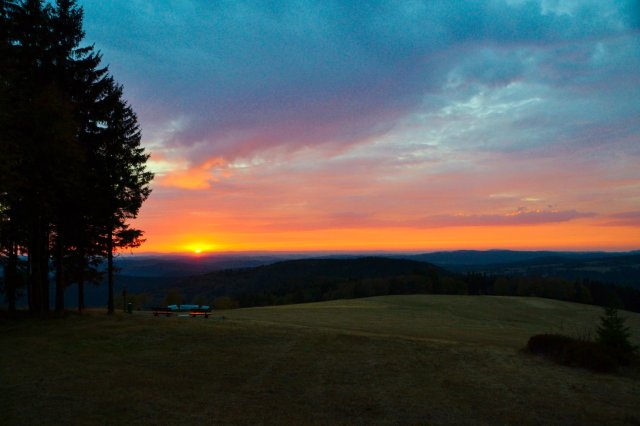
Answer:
(27, 147)
(72, 171)
(123, 179)
(613, 331)
(8, 214)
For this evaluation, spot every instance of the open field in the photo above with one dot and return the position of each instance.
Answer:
(389, 360)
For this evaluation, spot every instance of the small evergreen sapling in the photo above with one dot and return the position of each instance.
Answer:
(613, 332)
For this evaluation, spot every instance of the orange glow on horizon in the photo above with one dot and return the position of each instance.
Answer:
(196, 248)
(240, 221)
(562, 236)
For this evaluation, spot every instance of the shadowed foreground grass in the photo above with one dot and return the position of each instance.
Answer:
(386, 360)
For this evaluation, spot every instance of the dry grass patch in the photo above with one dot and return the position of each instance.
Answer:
(390, 360)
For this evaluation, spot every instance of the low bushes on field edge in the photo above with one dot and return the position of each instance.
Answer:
(579, 353)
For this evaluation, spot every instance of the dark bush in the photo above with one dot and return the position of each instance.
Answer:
(579, 353)
(593, 356)
(548, 344)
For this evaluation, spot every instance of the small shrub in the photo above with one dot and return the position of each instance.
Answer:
(548, 344)
(593, 356)
(613, 332)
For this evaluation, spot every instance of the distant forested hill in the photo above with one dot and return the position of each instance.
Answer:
(309, 280)
(255, 280)
(188, 265)
(622, 270)
(477, 258)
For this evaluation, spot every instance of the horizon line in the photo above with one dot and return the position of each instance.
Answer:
(363, 252)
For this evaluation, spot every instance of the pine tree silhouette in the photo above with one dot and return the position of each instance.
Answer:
(613, 331)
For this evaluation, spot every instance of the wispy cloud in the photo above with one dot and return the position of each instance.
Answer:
(242, 77)
(329, 114)
(624, 219)
(518, 217)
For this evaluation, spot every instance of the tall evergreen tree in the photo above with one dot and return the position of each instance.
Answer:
(123, 179)
(8, 215)
(25, 171)
(72, 171)
(72, 74)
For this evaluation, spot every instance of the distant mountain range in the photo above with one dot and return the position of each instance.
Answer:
(157, 273)
(613, 268)
(181, 265)
(476, 258)
(459, 260)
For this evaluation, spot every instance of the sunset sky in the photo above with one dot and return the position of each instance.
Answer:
(382, 125)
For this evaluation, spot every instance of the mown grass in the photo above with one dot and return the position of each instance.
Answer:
(387, 360)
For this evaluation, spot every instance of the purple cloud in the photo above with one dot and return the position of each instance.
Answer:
(631, 218)
(519, 217)
(232, 79)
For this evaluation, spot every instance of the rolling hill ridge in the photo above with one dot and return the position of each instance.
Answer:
(307, 280)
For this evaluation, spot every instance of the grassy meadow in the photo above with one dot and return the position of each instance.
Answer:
(426, 359)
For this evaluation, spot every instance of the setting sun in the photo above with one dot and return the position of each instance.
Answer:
(200, 247)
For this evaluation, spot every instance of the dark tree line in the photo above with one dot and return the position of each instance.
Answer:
(72, 171)
(585, 291)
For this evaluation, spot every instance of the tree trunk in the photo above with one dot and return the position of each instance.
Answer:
(60, 284)
(44, 268)
(83, 264)
(34, 287)
(81, 279)
(110, 305)
(39, 268)
(80, 295)
(29, 283)
(11, 276)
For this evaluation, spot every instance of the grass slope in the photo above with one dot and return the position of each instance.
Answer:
(388, 360)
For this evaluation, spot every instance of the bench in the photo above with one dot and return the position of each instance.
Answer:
(199, 312)
(193, 311)
(162, 311)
